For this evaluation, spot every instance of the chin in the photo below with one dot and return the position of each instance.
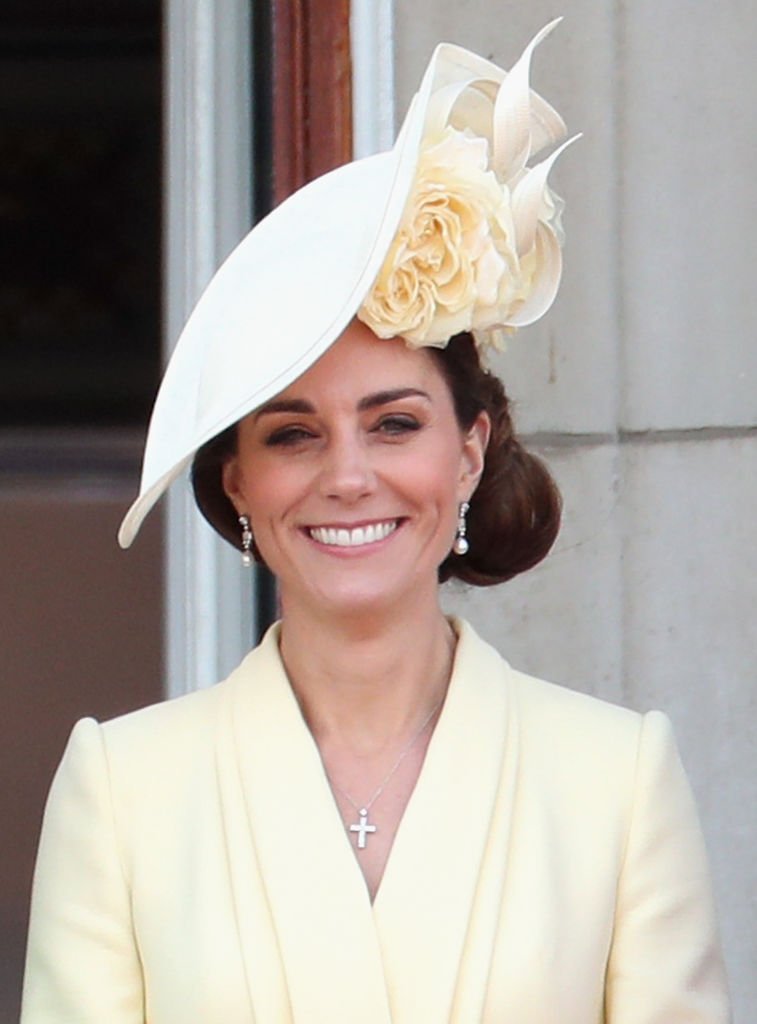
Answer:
(351, 603)
(351, 598)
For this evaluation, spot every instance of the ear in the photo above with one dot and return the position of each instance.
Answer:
(231, 480)
(473, 455)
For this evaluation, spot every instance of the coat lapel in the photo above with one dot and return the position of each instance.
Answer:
(436, 910)
(305, 920)
(315, 951)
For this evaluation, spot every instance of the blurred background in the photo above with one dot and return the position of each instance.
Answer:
(138, 142)
(80, 344)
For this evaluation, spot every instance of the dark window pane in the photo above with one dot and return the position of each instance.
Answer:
(79, 213)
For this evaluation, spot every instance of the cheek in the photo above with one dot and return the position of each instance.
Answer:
(435, 479)
(274, 492)
(266, 496)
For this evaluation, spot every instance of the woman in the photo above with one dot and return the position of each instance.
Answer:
(374, 818)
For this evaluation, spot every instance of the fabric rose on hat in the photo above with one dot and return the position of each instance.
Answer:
(453, 251)
(479, 244)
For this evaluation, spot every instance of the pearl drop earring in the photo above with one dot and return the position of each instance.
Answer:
(461, 545)
(244, 522)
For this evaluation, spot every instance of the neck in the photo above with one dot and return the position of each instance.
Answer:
(367, 683)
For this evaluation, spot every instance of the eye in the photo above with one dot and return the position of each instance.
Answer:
(288, 436)
(397, 424)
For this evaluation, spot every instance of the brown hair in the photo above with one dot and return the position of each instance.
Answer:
(207, 484)
(514, 513)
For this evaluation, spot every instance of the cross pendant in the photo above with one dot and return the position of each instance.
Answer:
(362, 828)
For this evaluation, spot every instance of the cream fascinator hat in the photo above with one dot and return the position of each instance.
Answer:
(451, 230)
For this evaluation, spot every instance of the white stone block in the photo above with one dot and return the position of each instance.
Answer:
(689, 216)
(690, 571)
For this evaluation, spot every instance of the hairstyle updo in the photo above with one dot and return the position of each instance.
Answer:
(514, 514)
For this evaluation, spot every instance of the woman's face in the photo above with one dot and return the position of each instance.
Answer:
(352, 476)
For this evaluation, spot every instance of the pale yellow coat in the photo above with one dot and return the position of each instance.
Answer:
(549, 868)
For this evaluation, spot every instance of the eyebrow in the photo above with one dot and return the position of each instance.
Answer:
(392, 395)
(285, 405)
(301, 405)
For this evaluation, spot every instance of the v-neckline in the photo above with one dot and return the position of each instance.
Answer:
(340, 950)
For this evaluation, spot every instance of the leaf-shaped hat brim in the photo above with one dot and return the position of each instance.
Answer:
(289, 290)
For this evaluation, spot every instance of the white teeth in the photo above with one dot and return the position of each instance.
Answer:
(342, 538)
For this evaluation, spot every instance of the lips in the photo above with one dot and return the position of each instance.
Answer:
(342, 537)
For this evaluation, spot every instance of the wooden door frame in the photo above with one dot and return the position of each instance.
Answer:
(312, 91)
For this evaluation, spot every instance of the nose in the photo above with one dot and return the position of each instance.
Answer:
(347, 472)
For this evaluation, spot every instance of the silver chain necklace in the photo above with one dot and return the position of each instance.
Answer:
(362, 827)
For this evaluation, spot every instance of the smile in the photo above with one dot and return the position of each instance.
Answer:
(343, 538)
